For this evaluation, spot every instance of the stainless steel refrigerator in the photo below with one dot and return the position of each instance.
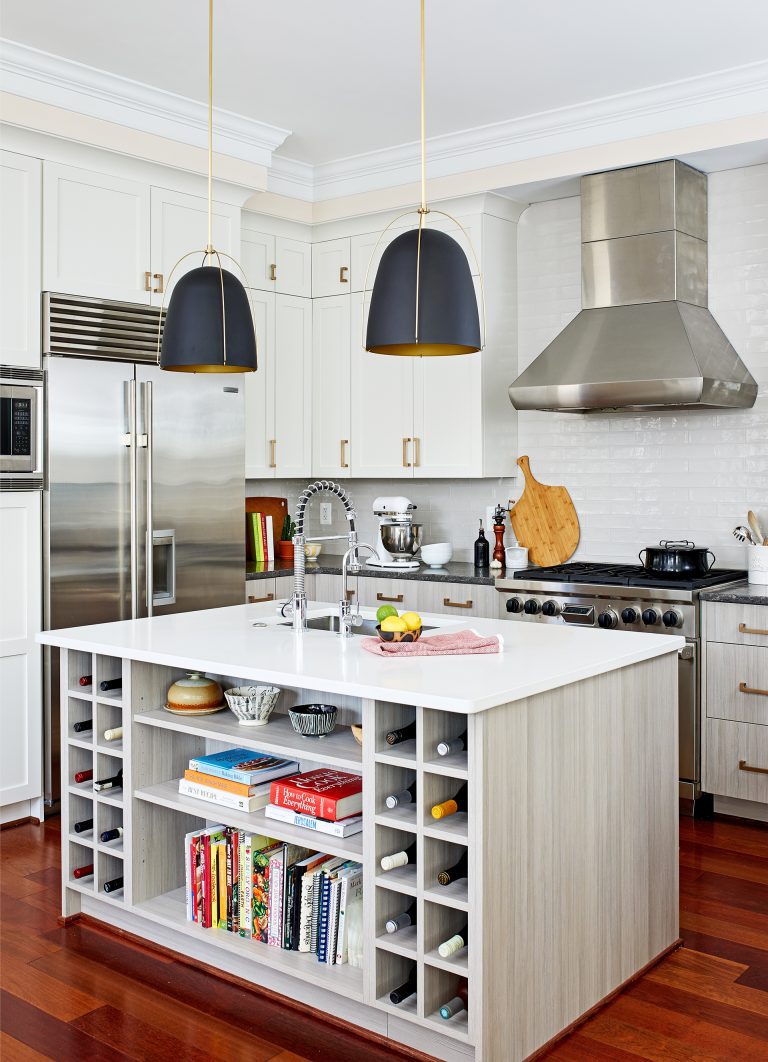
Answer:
(143, 512)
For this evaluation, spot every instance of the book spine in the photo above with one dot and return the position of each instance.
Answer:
(352, 891)
(259, 542)
(322, 927)
(222, 798)
(285, 796)
(236, 839)
(260, 898)
(244, 890)
(249, 778)
(222, 883)
(341, 828)
(341, 948)
(275, 908)
(305, 913)
(214, 781)
(263, 531)
(230, 880)
(333, 921)
(291, 878)
(214, 912)
(188, 873)
(270, 539)
(315, 917)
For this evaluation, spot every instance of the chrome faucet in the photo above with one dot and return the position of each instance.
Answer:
(348, 619)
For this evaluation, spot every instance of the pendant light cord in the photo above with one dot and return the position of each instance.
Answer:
(210, 123)
(423, 208)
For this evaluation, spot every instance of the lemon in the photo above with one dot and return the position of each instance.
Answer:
(393, 623)
(412, 620)
(384, 611)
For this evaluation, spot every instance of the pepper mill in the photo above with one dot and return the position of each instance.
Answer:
(498, 550)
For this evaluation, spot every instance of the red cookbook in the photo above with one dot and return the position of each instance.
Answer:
(325, 793)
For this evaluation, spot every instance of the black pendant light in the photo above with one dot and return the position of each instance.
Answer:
(208, 325)
(423, 300)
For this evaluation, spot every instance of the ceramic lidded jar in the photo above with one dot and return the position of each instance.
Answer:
(194, 692)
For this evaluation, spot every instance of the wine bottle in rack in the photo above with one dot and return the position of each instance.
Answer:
(111, 684)
(399, 859)
(406, 989)
(115, 734)
(450, 807)
(113, 885)
(405, 733)
(83, 825)
(85, 680)
(454, 873)
(83, 872)
(405, 796)
(459, 1002)
(83, 776)
(111, 835)
(403, 920)
(115, 782)
(453, 944)
(450, 748)
(84, 724)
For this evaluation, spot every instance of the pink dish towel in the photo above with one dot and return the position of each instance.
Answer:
(459, 643)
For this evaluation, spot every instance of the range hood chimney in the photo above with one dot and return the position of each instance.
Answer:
(645, 338)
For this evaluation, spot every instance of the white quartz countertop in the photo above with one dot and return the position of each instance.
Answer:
(223, 641)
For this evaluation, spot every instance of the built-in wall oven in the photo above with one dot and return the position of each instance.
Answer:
(22, 419)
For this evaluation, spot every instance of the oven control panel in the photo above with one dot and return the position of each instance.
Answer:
(608, 613)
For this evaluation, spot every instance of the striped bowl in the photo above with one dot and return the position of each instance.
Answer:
(313, 720)
(398, 636)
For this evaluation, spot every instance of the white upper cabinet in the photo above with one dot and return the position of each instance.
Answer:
(277, 263)
(365, 254)
(257, 250)
(20, 262)
(259, 391)
(447, 416)
(293, 387)
(96, 234)
(331, 268)
(331, 355)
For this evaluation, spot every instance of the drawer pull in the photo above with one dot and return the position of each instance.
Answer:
(259, 600)
(744, 766)
(744, 629)
(397, 599)
(344, 275)
(744, 688)
(456, 604)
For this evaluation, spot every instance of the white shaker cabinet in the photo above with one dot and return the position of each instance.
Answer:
(330, 268)
(259, 391)
(276, 263)
(20, 263)
(331, 387)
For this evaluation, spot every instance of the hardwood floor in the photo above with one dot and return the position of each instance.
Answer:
(75, 994)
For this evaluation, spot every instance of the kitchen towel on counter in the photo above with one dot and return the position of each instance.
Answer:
(460, 643)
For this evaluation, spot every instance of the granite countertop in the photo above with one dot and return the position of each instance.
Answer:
(453, 572)
(742, 593)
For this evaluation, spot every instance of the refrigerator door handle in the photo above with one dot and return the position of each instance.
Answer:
(146, 441)
(129, 439)
(163, 563)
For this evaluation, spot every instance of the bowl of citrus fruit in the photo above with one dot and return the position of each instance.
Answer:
(397, 627)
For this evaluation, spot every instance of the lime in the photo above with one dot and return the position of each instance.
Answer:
(384, 611)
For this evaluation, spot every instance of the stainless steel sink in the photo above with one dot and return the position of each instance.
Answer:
(331, 624)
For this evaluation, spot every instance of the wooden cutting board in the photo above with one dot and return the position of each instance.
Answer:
(274, 507)
(545, 521)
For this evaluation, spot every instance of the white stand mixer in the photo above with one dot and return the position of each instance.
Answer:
(399, 538)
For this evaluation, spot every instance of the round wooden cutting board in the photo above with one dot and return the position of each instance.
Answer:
(545, 521)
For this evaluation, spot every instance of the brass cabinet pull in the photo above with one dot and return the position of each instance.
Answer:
(397, 599)
(349, 594)
(259, 600)
(273, 271)
(149, 277)
(159, 278)
(744, 766)
(272, 448)
(417, 453)
(406, 462)
(744, 629)
(147, 280)
(744, 688)
(344, 275)
(343, 455)
(456, 604)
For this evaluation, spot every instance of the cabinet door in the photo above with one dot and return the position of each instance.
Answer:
(294, 267)
(369, 244)
(180, 225)
(21, 748)
(331, 391)
(448, 416)
(293, 386)
(375, 591)
(96, 234)
(457, 599)
(382, 408)
(257, 250)
(259, 591)
(20, 263)
(260, 391)
(330, 268)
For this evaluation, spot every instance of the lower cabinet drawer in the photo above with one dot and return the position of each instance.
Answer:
(736, 760)
(257, 591)
(737, 682)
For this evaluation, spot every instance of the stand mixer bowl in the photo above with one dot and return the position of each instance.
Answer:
(402, 541)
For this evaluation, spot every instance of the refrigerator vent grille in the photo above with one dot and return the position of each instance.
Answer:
(99, 328)
(15, 372)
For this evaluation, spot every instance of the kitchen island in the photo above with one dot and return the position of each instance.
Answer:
(570, 833)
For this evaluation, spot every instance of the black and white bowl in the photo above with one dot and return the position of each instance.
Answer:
(313, 720)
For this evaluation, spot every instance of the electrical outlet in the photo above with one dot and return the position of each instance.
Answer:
(325, 513)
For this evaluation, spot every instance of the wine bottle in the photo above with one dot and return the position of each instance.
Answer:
(111, 835)
(403, 920)
(458, 870)
(111, 684)
(449, 748)
(406, 989)
(86, 680)
(459, 1002)
(405, 796)
(83, 825)
(84, 724)
(115, 782)
(482, 549)
(114, 734)
(113, 885)
(394, 737)
(83, 776)
(450, 807)
(83, 872)
(399, 859)
(453, 944)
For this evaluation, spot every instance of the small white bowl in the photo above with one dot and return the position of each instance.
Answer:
(312, 550)
(438, 554)
(516, 556)
(252, 704)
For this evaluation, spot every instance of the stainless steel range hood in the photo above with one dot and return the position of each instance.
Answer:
(645, 338)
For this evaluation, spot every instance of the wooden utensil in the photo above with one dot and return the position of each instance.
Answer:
(545, 520)
(277, 508)
(754, 523)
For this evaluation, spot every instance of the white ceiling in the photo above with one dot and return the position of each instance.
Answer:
(343, 74)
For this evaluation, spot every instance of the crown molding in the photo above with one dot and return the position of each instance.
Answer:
(59, 82)
(289, 177)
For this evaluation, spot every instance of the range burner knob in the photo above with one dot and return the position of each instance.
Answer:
(531, 607)
(650, 617)
(514, 604)
(630, 615)
(672, 618)
(607, 619)
(551, 608)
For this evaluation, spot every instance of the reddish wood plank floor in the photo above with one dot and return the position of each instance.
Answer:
(74, 994)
